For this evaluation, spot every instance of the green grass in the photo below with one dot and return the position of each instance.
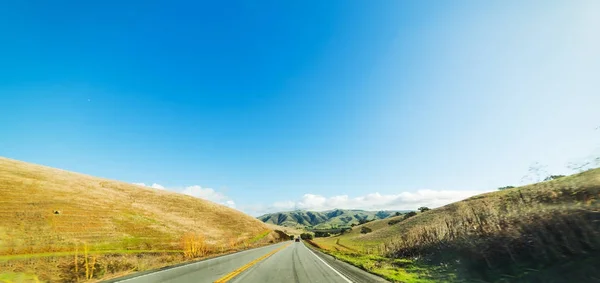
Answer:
(92, 252)
(396, 270)
(259, 237)
(14, 277)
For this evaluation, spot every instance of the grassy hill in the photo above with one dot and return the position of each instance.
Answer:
(49, 218)
(287, 230)
(545, 232)
(323, 219)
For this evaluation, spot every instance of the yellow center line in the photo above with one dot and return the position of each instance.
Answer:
(248, 265)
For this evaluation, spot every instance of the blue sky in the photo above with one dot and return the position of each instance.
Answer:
(275, 106)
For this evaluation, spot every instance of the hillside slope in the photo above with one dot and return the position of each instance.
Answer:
(323, 219)
(47, 210)
(545, 232)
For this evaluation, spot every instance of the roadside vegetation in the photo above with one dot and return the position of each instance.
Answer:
(545, 232)
(59, 226)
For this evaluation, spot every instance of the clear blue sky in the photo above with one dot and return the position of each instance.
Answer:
(319, 104)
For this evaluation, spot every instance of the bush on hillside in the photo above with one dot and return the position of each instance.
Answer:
(553, 177)
(306, 236)
(193, 245)
(365, 230)
(319, 234)
(409, 215)
(395, 221)
(423, 208)
(505, 188)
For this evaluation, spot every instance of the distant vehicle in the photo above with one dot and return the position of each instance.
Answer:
(297, 240)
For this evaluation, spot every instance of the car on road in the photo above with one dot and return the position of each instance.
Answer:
(297, 240)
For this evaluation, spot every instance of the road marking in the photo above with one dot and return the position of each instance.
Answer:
(191, 263)
(343, 277)
(248, 265)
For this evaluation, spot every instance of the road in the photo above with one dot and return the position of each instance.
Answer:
(283, 262)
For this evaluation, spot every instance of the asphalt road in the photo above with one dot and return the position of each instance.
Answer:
(283, 262)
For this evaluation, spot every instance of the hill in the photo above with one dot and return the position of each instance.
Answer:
(52, 214)
(323, 219)
(287, 230)
(545, 232)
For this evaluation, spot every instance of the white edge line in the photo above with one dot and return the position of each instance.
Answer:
(191, 263)
(344, 277)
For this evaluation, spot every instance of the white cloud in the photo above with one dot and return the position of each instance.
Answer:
(157, 186)
(372, 201)
(230, 203)
(208, 194)
(197, 191)
(154, 186)
(204, 193)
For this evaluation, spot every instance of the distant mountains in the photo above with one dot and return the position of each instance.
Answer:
(324, 219)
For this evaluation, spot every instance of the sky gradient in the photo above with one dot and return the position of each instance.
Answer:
(276, 106)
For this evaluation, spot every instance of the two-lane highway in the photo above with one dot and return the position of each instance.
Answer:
(296, 263)
(283, 262)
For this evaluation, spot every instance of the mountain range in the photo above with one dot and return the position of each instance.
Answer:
(325, 219)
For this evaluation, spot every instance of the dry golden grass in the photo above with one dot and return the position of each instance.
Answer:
(528, 233)
(106, 216)
(356, 242)
(288, 230)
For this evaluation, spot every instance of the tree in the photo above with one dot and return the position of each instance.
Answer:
(365, 230)
(292, 237)
(423, 208)
(397, 213)
(409, 215)
(505, 188)
(322, 234)
(306, 236)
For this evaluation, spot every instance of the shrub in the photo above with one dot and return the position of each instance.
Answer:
(365, 230)
(423, 208)
(322, 234)
(409, 215)
(553, 177)
(193, 245)
(306, 236)
(506, 187)
(395, 221)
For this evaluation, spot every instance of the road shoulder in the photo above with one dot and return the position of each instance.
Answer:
(351, 272)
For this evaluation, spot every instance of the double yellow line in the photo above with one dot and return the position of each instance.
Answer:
(248, 265)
